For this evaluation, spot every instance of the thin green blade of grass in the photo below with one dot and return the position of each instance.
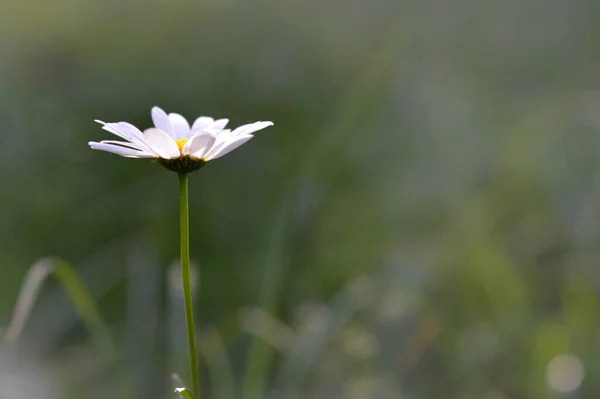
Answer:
(82, 302)
(367, 86)
(260, 353)
(32, 283)
(212, 347)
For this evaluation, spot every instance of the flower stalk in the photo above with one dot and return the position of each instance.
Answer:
(185, 277)
(181, 148)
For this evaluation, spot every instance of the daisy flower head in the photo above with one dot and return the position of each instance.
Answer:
(173, 143)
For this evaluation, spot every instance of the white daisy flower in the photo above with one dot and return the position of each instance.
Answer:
(173, 143)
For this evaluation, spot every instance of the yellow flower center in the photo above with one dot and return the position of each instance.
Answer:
(180, 143)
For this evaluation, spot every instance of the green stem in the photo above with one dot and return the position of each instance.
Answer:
(185, 277)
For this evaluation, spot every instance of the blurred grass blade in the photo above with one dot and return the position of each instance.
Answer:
(370, 82)
(260, 353)
(257, 322)
(77, 293)
(81, 300)
(212, 347)
(177, 380)
(84, 306)
(36, 275)
(311, 342)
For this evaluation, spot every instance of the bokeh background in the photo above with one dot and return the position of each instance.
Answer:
(421, 222)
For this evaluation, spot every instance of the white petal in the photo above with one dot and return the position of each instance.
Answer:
(161, 121)
(226, 148)
(126, 131)
(224, 133)
(125, 144)
(251, 128)
(130, 130)
(122, 151)
(201, 123)
(112, 128)
(181, 127)
(135, 135)
(199, 145)
(223, 137)
(219, 124)
(161, 143)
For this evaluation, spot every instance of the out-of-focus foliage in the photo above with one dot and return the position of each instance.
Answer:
(421, 221)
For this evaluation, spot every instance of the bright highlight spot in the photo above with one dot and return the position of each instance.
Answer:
(565, 373)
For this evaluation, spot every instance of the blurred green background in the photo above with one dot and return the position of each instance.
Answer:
(421, 222)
